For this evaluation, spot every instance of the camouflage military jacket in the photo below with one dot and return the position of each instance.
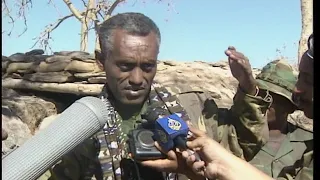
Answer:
(293, 160)
(203, 112)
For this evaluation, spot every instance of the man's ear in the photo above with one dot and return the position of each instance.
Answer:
(99, 59)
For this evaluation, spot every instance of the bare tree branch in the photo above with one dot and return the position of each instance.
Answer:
(55, 7)
(7, 13)
(22, 13)
(113, 7)
(23, 6)
(45, 36)
(84, 3)
(94, 12)
(74, 11)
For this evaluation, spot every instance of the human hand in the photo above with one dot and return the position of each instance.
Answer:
(216, 162)
(211, 152)
(174, 163)
(241, 70)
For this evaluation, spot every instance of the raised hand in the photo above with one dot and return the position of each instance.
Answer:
(241, 70)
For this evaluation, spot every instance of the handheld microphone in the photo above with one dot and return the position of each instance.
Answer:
(77, 123)
(171, 131)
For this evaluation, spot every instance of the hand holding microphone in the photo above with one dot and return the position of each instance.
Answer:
(216, 162)
(170, 134)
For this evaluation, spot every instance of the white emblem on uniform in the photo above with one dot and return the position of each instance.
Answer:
(173, 103)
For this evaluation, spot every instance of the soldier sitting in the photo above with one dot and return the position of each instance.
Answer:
(287, 143)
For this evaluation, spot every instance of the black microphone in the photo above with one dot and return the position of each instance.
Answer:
(77, 123)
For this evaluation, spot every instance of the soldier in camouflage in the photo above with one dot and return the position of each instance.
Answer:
(129, 48)
(303, 97)
(289, 148)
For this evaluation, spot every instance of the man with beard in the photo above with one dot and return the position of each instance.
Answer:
(129, 49)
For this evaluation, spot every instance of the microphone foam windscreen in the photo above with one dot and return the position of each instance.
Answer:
(77, 123)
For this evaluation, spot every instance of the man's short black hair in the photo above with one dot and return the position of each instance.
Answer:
(133, 23)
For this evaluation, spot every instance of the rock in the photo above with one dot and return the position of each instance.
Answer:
(217, 81)
(222, 64)
(161, 67)
(58, 58)
(17, 57)
(31, 110)
(71, 53)
(18, 132)
(88, 75)
(8, 93)
(51, 67)
(35, 52)
(82, 67)
(50, 77)
(46, 122)
(170, 63)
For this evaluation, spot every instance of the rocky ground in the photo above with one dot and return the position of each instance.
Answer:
(37, 87)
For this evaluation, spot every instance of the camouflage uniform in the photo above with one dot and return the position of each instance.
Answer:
(202, 111)
(294, 159)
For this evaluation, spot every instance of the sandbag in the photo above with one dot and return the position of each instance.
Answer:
(21, 67)
(51, 67)
(50, 77)
(4, 66)
(90, 74)
(86, 58)
(97, 80)
(82, 67)
(4, 63)
(58, 58)
(71, 53)
(35, 52)
(37, 58)
(16, 76)
(17, 57)
(5, 58)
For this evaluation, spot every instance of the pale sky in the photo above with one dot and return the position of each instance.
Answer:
(190, 32)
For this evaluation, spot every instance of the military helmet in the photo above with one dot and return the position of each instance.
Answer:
(278, 77)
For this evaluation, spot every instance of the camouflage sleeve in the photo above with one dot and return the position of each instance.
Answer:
(304, 173)
(218, 122)
(250, 124)
(206, 116)
(78, 164)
